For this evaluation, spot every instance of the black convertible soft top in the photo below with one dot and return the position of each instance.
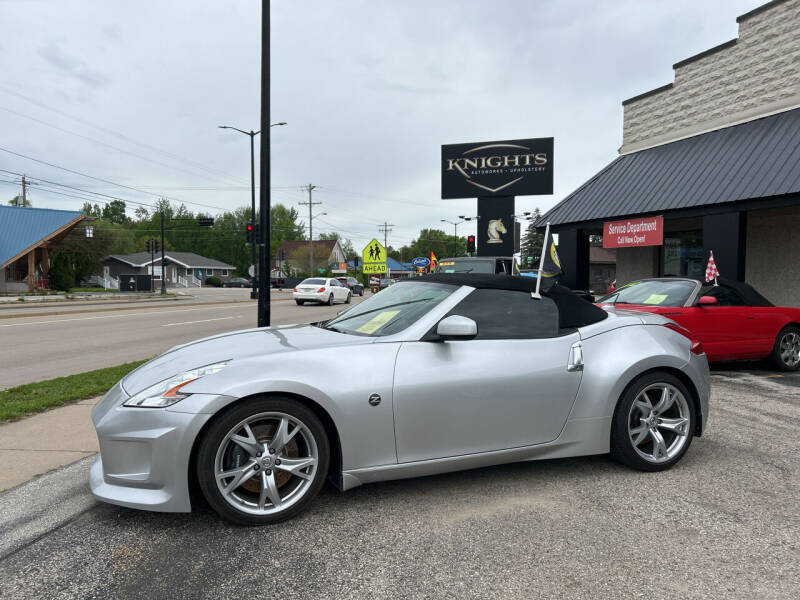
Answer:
(748, 292)
(573, 311)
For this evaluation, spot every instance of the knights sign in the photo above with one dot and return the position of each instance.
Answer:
(374, 257)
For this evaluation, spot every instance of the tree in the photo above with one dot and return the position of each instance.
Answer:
(91, 210)
(60, 273)
(84, 256)
(114, 212)
(532, 241)
(346, 245)
(18, 201)
(436, 241)
(284, 226)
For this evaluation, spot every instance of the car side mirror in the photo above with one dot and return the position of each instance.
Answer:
(707, 301)
(456, 327)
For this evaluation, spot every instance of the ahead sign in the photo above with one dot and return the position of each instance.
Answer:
(374, 257)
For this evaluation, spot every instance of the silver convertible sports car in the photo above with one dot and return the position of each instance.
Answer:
(454, 372)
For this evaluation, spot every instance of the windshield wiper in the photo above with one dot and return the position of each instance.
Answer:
(377, 309)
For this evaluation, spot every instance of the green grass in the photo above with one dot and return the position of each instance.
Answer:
(31, 398)
(91, 289)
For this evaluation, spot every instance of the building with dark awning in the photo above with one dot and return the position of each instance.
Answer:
(710, 162)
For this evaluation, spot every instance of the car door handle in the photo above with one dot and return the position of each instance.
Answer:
(575, 357)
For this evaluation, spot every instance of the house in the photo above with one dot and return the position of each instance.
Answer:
(293, 256)
(183, 269)
(27, 235)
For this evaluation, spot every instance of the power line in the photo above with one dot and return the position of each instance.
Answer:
(94, 141)
(113, 133)
(128, 187)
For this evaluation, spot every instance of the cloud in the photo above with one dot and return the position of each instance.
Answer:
(71, 66)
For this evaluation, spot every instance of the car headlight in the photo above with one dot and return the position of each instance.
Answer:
(168, 392)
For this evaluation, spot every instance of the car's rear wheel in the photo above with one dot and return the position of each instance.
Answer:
(786, 352)
(653, 422)
(300, 302)
(330, 300)
(263, 461)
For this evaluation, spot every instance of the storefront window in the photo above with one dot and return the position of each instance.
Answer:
(682, 254)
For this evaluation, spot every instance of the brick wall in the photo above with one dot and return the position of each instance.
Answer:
(757, 74)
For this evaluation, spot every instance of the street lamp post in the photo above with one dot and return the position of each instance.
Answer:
(252, 134)
(455, 225)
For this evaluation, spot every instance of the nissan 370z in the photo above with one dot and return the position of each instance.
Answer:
(454, 372)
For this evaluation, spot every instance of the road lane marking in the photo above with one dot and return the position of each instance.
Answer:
(130, 314)
(202, 321)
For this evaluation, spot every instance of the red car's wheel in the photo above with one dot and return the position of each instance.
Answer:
(786, 352)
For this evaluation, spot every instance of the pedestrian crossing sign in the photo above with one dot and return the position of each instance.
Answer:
(374, 257)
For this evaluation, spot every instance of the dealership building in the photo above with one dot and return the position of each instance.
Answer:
(709, 162)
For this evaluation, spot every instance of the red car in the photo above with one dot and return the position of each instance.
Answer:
(732, 320)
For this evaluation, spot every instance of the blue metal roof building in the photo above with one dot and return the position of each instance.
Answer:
(26, 236)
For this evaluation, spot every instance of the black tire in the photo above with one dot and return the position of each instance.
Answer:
(622, 447)
(361, 293)
(224, 285)
(347, 300)
(215, 435)
(300, 302)
(330, 300)
(782, 357)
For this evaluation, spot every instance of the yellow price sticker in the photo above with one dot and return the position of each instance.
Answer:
(656, 299)
(377, 321)
(446, 264)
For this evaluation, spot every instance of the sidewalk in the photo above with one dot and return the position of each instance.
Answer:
(40, 443)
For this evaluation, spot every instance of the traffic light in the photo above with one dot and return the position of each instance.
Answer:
(152, 245)
(470, 243)
(249, 234)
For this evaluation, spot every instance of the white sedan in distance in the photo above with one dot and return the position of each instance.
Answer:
(323, 290)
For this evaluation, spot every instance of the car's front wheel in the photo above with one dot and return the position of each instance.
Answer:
(786, 352)
(653, 422)
(330, 300)
(263, 461)
(349, 296)
(299, 302)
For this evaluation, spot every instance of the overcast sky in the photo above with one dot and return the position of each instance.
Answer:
(132, 92)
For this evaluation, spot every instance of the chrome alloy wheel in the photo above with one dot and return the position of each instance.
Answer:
(266, 463)
(658, 422)
(789, 349)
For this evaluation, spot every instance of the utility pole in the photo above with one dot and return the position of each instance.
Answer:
(24, 192)
(310, 204)
(386, 231)
(163, 269)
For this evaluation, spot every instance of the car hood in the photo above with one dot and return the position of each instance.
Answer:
(232, 346)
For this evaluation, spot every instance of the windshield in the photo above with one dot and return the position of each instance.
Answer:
(391, 310)
(312, 282)
(653, 292)
(466, 266)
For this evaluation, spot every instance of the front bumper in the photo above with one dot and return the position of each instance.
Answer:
(697, 369)
(144, 454)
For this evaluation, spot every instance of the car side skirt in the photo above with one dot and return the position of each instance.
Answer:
(580, 437)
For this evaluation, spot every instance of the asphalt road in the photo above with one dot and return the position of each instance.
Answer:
(38, 347)
(724, 523)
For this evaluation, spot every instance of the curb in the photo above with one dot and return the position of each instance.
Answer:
(50, 313)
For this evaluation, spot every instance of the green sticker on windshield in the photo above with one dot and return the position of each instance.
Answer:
(656, 299)
(377, 321)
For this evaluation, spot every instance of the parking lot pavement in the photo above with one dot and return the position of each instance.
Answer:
(724, 523)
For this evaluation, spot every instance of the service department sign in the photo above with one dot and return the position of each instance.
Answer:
(507, 168)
